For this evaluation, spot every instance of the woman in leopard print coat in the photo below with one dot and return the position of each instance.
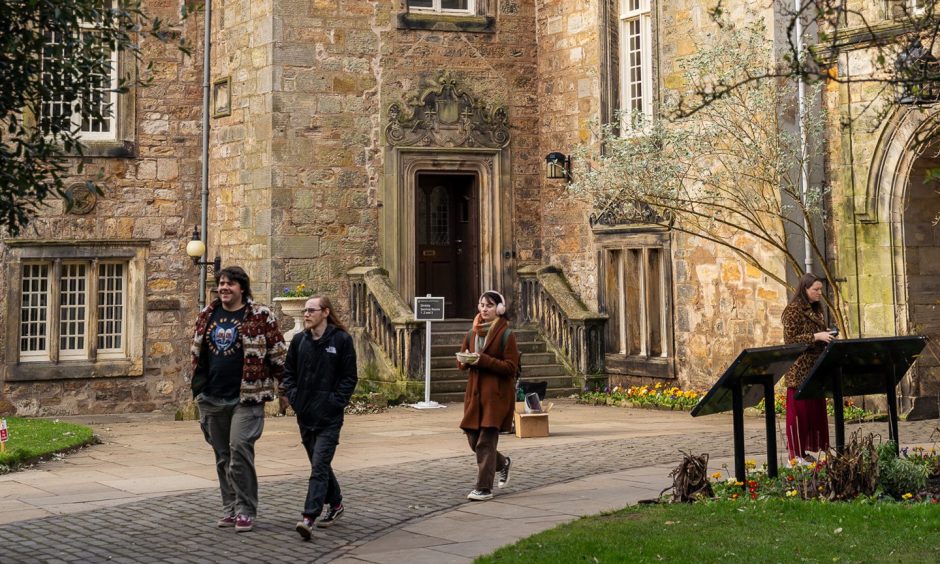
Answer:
(803, 322)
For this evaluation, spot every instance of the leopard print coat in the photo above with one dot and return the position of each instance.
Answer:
(800, 322)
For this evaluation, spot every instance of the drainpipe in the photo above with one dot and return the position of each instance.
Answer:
(204, 209)
(804, 172)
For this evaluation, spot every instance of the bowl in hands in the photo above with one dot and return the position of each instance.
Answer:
(468, 357)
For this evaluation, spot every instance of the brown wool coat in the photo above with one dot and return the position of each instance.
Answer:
(800, 322)
(491, 384)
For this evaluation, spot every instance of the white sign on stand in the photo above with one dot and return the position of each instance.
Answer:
(428, 309)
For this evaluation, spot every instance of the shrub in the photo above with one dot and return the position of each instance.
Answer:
(900, 476)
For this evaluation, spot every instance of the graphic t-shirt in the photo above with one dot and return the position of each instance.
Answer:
(225, 354)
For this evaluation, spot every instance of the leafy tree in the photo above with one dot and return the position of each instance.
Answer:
(49, 52)
(725, 171)
(900, 37)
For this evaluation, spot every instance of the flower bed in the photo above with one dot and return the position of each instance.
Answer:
(851, 412)
(864, 473)
(655, 397)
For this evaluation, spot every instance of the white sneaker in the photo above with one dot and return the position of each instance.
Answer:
(503, 474)
(480, 495)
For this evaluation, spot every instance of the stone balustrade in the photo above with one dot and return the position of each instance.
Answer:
(548, 302)
(376, 307)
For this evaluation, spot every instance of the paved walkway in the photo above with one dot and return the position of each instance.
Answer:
(149, 493)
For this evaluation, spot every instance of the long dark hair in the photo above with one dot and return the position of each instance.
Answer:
(237, 274)
(331, 319)
(806, 281)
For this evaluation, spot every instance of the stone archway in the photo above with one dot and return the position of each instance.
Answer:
(899, 197)
(447, 130)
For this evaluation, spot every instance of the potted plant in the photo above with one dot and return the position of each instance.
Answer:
(292, 302)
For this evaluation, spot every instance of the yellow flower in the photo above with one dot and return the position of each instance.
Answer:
(812, 466)
(907, 496)
(716, 475)
(749, 464)
(820, 488)
(792, 493)
(659, 385)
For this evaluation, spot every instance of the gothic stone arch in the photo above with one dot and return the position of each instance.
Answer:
(906, 142)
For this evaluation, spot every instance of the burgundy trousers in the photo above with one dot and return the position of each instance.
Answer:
(807, 425)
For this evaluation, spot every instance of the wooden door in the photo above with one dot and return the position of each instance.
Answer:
(447, 237)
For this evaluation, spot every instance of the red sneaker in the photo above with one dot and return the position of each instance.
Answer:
(226, 522)
(244, 523)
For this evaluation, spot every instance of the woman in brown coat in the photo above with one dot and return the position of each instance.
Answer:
(807, 424)
(490, 398)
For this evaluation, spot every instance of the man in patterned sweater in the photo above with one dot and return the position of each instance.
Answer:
(238, 361)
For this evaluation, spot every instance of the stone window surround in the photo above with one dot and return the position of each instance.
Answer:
(610, 78)
(482, 20)
(609, 238)
(134, 251)
(123, 145)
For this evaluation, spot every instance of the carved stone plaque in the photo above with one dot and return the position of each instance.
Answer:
(444, 115)
(83, 198)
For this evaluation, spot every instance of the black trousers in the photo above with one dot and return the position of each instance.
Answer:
(322, 488)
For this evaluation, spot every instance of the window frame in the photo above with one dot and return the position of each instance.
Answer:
(642, 16)
(436, 9)
(622, 239)
(55, 363)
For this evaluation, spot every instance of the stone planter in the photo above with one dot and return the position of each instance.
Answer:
(293, 308)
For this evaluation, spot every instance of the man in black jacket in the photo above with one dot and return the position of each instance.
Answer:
(319, 378)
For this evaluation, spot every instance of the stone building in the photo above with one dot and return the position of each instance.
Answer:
(378, 150)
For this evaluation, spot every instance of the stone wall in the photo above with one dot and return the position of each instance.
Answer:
(149, 196)
(721, 305)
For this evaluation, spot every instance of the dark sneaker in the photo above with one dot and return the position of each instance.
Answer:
(226, 522)
(244, 523)
(502, 477)
(305, 528)
(332, 514)
(480, 495)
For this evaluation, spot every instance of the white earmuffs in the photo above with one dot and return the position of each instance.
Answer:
(501, 306)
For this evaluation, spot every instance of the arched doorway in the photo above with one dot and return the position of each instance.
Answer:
(922, 265)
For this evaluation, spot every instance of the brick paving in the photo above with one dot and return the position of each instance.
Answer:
(180, 528)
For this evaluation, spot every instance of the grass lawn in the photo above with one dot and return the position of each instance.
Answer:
(33, 439)
(775, 530)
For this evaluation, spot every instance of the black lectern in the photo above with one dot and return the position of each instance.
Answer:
(858, 367)
(750, 377)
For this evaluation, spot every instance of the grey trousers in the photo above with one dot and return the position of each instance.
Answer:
(232, 431)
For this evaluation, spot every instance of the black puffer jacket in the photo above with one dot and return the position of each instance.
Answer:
(320, 376)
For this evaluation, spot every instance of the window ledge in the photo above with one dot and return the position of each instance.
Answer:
(73, 370)
(114, 149)
(653, 367)
(446, 22)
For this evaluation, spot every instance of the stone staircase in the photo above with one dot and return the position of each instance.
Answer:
(538, 363)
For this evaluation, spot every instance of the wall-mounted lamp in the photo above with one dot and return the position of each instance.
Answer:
(196, 248)
(918, 75)
(557, 166)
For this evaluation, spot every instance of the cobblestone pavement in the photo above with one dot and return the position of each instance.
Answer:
(180, 528)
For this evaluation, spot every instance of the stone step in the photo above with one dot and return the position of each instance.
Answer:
(452, 397)
(528, 371)
(450, 325)
(449, 350)
(458, 385)
(457, 337)
(527, 358)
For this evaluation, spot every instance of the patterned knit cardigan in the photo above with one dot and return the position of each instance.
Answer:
(264, 347)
